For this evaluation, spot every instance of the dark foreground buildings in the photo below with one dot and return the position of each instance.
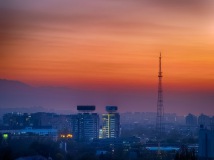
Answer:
(206, 144)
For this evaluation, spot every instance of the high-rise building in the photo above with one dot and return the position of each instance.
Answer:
(111, 123)
(204, 120)
(86, 124)
(206, 144)
(191, 120)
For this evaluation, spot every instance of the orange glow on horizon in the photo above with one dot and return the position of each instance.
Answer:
(93, 47)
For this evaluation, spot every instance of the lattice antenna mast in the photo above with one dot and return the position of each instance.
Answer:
(160, 107)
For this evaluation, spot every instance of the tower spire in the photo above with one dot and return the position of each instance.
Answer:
(160, 68)
(160, 107)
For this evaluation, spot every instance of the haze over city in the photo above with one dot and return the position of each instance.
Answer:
(105, 52)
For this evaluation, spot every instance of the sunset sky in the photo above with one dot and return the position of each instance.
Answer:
(113, 45)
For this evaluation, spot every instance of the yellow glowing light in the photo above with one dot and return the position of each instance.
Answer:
(66, 136)
(69, 135)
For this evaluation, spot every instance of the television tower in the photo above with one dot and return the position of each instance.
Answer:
(160, 107)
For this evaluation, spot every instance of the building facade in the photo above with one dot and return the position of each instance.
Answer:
(86, 124)
(111, 123)
(191, 120)
(206, 144)
(204, 120)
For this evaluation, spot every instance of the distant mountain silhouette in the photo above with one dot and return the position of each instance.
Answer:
(11, 85)
(16, 94)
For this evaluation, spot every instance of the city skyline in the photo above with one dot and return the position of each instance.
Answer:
(108, 51)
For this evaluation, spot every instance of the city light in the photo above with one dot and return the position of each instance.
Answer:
(66, 136)
(5, 136)
(69, 136)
